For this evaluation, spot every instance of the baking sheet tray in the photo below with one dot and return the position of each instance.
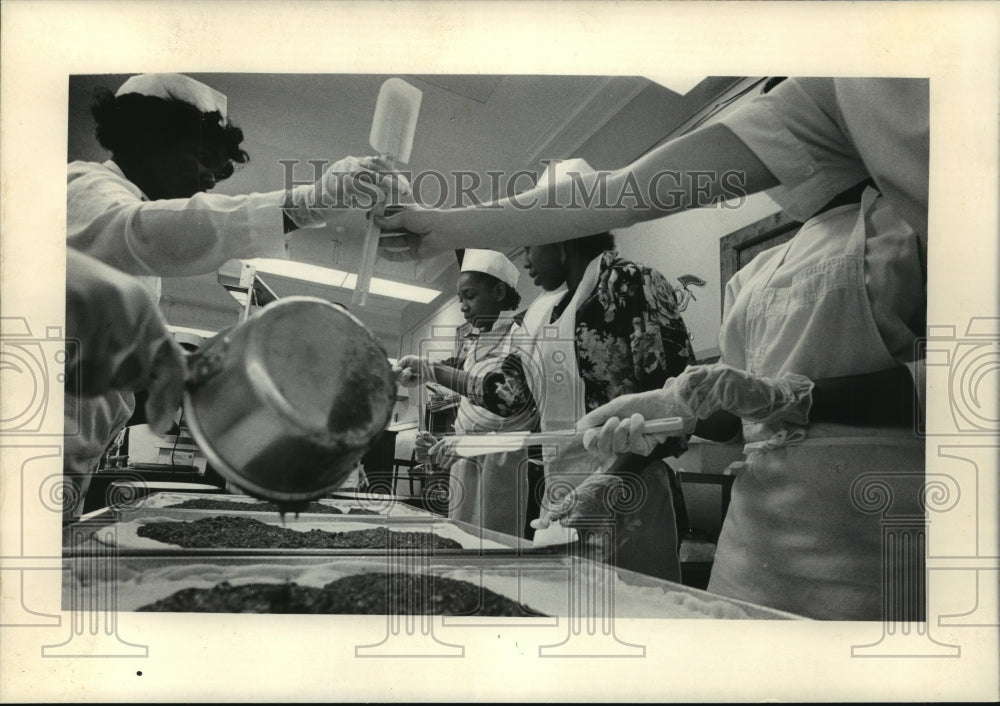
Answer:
(549, 584)
(126, 537)
(102, 530)
(381, 505)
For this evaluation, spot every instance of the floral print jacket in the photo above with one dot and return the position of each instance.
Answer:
(629, 338)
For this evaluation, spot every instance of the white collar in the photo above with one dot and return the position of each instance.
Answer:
(112, 166)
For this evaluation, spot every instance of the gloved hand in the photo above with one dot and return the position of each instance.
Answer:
(124, 343)
(619, 425)
(417, 233)
(626, 435)
(351, 183)
(442, 454)
(422, 445)
(697, 393)
(593, 499)
(719, 387)
(412, 370)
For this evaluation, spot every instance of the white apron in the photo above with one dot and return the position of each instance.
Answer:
(490, 491)
(794, 537)
(646, 537)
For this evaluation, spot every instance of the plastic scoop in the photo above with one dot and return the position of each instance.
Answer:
(393, 126)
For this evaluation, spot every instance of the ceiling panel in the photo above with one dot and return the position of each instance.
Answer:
(477, 88)
(467, 122)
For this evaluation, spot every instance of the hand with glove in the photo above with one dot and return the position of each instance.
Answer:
(594, 499)
(416, 233)
(352, 183)
(123, 340)
(412, 370)
(442, 454)
(422, 445)
(438, 451)
(697, 393)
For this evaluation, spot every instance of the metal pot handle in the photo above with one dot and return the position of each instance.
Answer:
(206, 362)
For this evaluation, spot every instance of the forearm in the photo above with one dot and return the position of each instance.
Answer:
(884, 398)
(452, 378)
(689, 172)
(182, 237)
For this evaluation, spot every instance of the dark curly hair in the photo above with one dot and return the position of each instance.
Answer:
(128, 122)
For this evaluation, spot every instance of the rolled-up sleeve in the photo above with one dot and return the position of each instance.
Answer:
(798, 132)
(108, 218)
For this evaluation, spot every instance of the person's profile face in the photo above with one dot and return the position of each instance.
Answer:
(546, 266)
(183, 167)
(479, 296)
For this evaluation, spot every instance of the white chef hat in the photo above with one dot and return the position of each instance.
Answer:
(204, 98)
(492, 263)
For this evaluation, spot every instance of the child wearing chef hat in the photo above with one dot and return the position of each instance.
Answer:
(489, 491)
(486, 287)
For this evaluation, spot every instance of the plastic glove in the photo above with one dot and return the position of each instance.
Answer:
(412, 370)
(442, 454)
(362, 183)
(422, 445)
(619, 436)
(123, 340)
(719, 387)
(697, 393)
(619, 425)
(593, 499)
(417, 233)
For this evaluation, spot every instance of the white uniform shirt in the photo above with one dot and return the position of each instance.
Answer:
(109, 218)
(820, 137)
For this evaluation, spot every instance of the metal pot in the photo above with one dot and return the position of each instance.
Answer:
(285, 404)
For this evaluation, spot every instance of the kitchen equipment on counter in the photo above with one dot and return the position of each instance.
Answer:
(393, 126)
(286, 403)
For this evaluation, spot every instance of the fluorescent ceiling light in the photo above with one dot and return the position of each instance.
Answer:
(345, 280)
(677, 84)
